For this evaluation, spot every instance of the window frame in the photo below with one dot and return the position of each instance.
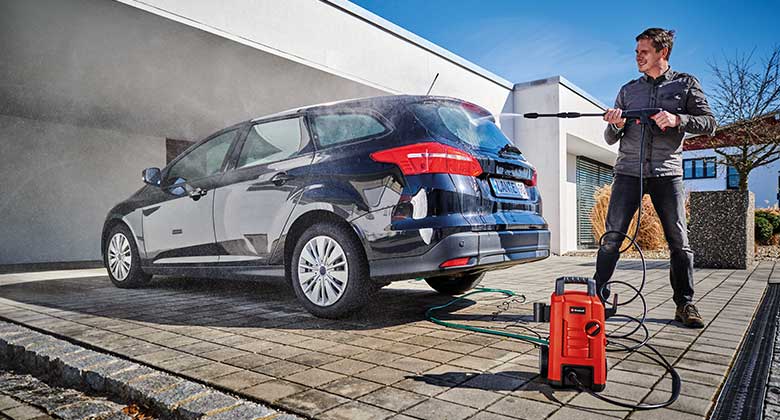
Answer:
(389, 128)
(704, 159)
(728, 177)
(239, 132)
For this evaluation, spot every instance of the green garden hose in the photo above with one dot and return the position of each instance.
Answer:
(430, 317)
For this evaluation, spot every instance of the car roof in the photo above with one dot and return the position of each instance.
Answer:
(375, 102)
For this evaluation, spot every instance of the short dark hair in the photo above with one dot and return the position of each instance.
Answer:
(661, 38)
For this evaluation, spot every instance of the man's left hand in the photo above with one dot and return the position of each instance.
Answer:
(666, 119)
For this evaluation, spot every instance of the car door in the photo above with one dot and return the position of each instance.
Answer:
(179, 228)
(257, 195)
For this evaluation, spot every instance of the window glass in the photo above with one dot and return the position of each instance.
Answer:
(339, 128)
(272, 141)
(463, 122)
(709, 168)
(698, 168)
(687, 169)
(732, 178)
(204, 161)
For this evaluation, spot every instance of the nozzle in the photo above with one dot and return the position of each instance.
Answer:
(531, 115)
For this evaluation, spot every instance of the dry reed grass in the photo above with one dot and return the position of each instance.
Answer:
(651, 233)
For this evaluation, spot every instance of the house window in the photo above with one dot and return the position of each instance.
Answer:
(732, 178)
(699, 168)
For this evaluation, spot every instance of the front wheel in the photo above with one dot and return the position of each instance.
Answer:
(455, 284)
(329, 271)
(122, 260)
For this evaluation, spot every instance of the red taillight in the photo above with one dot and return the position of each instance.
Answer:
(455, 262)
(531, 182)
(430, 158)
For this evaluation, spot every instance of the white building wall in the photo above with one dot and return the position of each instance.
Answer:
(552, 145)
(762, 181)
(342, 39)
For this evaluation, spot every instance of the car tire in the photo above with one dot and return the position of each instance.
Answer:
(455, 284)
(329, 271)
(122, 261)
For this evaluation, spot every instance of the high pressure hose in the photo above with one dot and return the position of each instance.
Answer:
(642, 115)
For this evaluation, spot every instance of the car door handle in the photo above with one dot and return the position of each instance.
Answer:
(197, 193)
(280, 178)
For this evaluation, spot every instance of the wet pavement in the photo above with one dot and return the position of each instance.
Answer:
(253, 339)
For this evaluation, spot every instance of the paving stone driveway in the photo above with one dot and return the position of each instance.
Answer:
(252, 338)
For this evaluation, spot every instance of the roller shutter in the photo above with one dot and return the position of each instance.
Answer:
(590, 175)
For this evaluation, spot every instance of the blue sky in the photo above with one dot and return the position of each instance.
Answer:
(587, 42)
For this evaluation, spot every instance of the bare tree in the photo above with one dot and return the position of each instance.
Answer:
(746, 102)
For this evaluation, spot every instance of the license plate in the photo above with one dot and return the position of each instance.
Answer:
(509, 189)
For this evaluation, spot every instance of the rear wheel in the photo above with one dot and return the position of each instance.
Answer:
(122, 260)
(329, 271)
(455, 284)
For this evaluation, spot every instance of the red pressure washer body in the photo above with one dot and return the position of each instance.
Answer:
(577, 338)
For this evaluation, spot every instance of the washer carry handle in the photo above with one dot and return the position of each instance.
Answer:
(560, 283)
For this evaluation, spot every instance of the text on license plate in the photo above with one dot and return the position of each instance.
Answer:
(509, 189)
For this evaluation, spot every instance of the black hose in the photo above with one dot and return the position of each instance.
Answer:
(676, 383)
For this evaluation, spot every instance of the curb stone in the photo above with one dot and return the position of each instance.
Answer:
(171, 396)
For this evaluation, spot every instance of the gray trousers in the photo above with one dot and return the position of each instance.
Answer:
(668, 198)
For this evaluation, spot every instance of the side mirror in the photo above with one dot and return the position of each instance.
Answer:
(152, 176)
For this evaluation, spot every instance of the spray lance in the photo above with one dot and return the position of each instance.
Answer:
(641, 115)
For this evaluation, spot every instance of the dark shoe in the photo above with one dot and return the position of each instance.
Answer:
(689, 316)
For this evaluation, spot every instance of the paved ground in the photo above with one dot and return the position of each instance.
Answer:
(253, 339)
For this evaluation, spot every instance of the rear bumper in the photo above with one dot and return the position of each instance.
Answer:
(486, 251)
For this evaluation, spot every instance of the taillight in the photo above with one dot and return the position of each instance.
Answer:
(531, 182)
(430, 158)
(455, 262)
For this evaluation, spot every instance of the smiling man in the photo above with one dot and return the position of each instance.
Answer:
(685, 110)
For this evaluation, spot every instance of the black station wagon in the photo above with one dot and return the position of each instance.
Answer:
(339, 200)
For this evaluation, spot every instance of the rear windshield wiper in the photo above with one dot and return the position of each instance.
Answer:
(509, 148)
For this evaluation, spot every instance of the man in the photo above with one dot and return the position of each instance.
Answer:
(685, 110)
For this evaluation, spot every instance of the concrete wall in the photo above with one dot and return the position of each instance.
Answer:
(59, 181)
(104, 64)
(762, 181)
(102, 83)
(89, 89)
(345, 40)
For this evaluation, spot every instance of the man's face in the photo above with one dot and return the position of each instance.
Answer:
(647, 57)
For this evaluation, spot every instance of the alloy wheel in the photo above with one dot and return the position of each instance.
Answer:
(323, 270)
(120, 257)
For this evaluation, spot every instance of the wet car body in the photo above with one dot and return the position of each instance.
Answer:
(244, 220)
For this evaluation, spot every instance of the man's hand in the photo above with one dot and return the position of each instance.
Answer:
(613, 116)
(666, 119)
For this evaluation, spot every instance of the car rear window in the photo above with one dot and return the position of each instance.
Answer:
(459, 122)
(343, 127)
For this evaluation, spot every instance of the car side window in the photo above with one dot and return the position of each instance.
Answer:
(340, 128)
(273, 141)
(204, 161)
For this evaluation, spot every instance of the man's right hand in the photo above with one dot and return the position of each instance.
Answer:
(613, 116)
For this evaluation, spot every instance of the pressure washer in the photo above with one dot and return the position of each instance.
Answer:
(574, 354)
